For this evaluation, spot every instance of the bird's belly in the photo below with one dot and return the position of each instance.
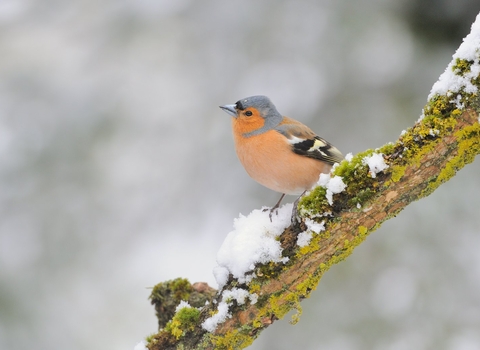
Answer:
(274, 165)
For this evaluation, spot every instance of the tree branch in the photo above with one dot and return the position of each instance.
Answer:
(425, 156)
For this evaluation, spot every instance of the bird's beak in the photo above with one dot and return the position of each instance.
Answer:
(230, 109)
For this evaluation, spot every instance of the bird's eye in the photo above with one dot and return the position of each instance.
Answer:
(248, 113)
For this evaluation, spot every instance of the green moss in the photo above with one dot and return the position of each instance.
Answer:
(150, 338)
(361, 197)
(188, 317)
(360, 186)
(166, 339)
(183, 321)
(167, 295)
(355, 174)
(388, 149)
(355, 167)
(314, 203)
(179, 288)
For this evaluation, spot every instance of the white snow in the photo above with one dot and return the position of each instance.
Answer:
(349, 157)
(221, 275)
(228, 297)
(376, 163)
(458, 102)
(141, 346)
(333, 185)
(252, 241)
(222, 314)
(450, 83)
(315, 226)
(183, 304)
(336, 184)
(304, 237)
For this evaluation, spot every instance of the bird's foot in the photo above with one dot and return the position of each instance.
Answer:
(275, 207)
(272, 210)
(295, 209)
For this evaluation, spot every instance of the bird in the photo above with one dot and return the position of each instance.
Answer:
(278, 152)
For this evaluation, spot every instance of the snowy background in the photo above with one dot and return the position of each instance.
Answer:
(117, 168)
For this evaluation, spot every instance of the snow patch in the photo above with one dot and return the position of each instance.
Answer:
(376, 163)
(183, 304)
(449, 82)
(304, 237)
(333, 185)
(252, 241)
(228, 297)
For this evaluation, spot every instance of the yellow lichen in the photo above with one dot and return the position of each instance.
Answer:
(174, 328)
(311, 247)
(468, 147)
(398, 172)
(309, 284)
(254, 287)
(462, 66)
(232, 340)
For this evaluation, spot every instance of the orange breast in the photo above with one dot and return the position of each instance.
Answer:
(269, 160)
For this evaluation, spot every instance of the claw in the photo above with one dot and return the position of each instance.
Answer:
(275, 207)
(294, 211)
(271, 212)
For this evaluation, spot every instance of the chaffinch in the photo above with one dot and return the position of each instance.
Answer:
(280, 153)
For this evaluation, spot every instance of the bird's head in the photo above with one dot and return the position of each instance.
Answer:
(255, 110)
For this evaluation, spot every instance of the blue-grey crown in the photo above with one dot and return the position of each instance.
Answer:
(258, 102)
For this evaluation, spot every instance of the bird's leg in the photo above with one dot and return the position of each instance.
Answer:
(275, 207)
(295, 208)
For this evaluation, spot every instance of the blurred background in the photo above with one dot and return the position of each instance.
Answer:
(117, 168)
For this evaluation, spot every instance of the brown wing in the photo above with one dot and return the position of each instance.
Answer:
(306, 143)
